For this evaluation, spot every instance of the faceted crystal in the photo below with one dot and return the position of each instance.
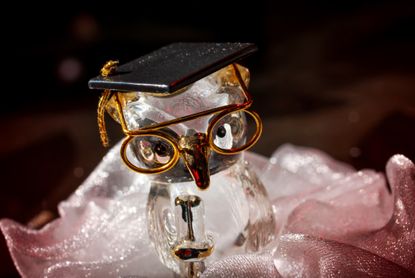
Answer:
(125, 98)
(215, 90)
(235, 194)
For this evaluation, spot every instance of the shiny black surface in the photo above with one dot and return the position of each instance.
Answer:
(172, 67)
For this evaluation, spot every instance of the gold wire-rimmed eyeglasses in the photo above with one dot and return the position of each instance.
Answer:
(156, 131)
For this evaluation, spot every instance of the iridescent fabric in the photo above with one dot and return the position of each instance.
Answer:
(331, 221)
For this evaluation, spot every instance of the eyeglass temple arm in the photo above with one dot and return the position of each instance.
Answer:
(242, 82)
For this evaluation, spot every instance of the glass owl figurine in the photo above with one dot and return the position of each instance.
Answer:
(184, 110)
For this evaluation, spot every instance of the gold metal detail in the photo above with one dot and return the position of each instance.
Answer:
(247, 145)
(185, 253)
(161, 169)
(186, 203)
(109, 68)
(187, 250)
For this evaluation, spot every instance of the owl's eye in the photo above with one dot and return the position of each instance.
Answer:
(151, 152)
(235, 132)
(223, 138)
(229, 132)
(221, 132)
(162, 152)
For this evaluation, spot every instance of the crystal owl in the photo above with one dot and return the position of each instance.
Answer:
(185, 112)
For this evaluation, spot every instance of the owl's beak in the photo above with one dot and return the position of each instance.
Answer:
(194, 150)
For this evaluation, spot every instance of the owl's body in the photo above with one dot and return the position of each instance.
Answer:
(236, 216)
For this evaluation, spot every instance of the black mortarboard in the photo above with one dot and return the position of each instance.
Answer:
(172, 67)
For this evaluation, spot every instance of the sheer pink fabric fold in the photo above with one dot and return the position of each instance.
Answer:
(330, 221)
(333, 221)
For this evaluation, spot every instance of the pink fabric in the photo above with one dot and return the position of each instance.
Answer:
(331, 221)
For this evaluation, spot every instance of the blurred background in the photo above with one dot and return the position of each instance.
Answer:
(339, 77)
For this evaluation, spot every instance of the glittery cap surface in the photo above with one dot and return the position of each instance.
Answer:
(172, 67)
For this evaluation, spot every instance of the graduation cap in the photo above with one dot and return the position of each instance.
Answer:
(172, 67)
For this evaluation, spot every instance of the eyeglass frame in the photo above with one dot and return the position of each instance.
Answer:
(154, 130)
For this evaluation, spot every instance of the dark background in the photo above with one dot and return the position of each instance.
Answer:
(338, 77)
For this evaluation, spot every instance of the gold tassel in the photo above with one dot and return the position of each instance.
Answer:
(106, 95)
(106, 70)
